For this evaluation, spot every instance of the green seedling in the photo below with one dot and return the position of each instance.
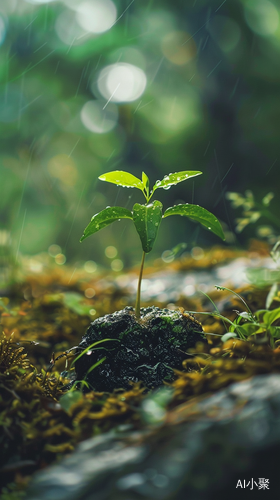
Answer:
(248, 324)
(252, 211)
(147, 218)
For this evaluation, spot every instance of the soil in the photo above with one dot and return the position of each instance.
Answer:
(146, 350)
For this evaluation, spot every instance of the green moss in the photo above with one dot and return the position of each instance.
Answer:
(178, 329)
(12, 492)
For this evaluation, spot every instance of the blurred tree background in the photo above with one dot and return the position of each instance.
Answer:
(90, 86)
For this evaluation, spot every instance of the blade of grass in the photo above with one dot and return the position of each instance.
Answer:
(94, 366)
(214, 305)
(91, 347)
(240, 298)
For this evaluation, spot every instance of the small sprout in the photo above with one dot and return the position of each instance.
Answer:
(247, 325)
(147, 218)
(252, 211)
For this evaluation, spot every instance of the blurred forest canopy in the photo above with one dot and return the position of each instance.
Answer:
(90, 86)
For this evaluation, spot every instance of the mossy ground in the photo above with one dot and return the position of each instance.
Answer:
(45, 315)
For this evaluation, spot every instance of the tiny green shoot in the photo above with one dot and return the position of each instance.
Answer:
(147, 217)
(246, 324)
(93, 346)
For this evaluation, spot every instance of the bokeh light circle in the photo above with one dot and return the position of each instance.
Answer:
(96, 16)
(99, 120)
(64, 168)
(174, 48)
(40, 2)
(122, 82)
(262, 16)
(68, 29)
(2, 30)
(8, 6)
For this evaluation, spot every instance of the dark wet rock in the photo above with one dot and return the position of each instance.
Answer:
(146, 350)
(235, 437)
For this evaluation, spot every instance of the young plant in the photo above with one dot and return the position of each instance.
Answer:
(246, 324)
(252, 211)
(147, 218)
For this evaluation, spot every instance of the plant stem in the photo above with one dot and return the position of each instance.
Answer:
(137, 304)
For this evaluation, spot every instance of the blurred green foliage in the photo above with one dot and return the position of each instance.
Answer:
(89, 86)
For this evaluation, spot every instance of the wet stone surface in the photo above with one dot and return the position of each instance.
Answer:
(235, 437)
(144, 350)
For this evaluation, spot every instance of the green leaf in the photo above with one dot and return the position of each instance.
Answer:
(229, 335)
(76, 302)
(260, 313)
(147, 219)
(69, 399)
(173, 179)
(275, 252)
(261, 329)
(270, 316)
(145, 181)
(248, 329)
(198, 214)
(275, 331)
(153, 407)
(104, 218)
(267, 199)
(245, 315)
(271, 294)
(3, 303)
(121, 178)
(263, 276)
